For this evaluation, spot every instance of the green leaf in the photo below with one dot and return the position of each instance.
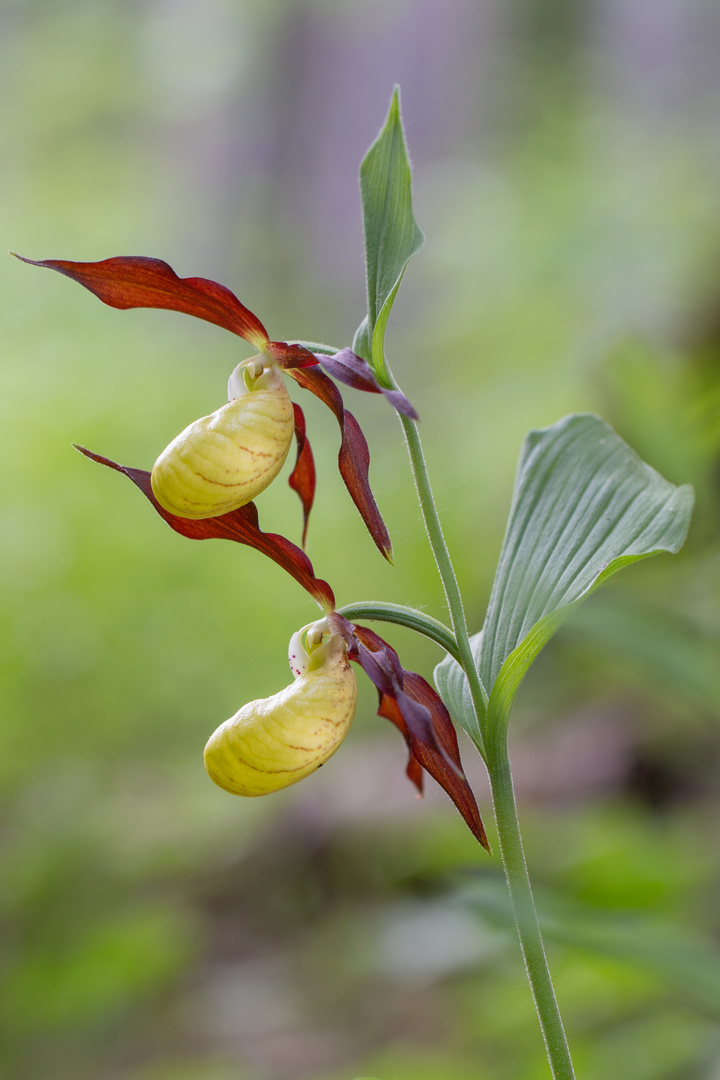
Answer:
(454, 689)
(361, 342)
(584, 506)
(391, 233)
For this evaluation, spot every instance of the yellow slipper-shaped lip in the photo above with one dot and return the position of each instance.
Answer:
(274, 742)
(224, 460)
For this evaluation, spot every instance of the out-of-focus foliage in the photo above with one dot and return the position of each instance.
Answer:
(155, 928)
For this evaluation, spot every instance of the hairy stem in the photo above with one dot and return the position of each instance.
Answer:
(404, 616)
(498, 762)
(447, 573)
(526, 920)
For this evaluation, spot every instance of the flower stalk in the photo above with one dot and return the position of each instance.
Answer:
(526, 920)
(497, 760)
(504, 806)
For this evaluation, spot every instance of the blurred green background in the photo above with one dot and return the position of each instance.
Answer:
(567, 175)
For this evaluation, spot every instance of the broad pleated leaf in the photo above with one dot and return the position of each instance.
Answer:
(584, 506)
(354, 456)
(240, 525)
(391, 234)
(131, 281)
(302, 478)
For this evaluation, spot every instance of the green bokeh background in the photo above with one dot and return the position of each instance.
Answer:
(567, 166)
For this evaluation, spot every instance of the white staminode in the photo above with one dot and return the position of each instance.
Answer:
(307, 650)
(252, 374)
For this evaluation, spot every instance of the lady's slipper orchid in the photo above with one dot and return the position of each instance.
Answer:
(219, 463)
(275, 742)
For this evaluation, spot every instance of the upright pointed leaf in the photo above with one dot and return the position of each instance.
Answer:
(391, 233)
(585, 505)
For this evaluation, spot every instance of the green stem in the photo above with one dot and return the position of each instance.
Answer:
(496, 756)
(447, 574)
(526, 920)
(404, 616)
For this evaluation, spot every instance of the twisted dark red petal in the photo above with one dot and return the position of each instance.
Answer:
(354, 456)
(290, 356)
(349, 368)
(447, 777)
(410, 703)
(302, 478)
(239, 525)
(130, 281)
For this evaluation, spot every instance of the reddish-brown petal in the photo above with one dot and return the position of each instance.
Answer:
(390, 711)
(415, 772)
(446, 767)
(349, 368)
(130, 281)
(382, 666)
(411, 703)
(302, 478)
(354, 456)
(239, 525)
(290, 356)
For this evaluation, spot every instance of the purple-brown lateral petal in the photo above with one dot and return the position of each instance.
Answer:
(240, 525)
(412, 705)
(381, 664)
(349, 368)
(436, 764)
(302, 478)
(130, 281)
(354, 456)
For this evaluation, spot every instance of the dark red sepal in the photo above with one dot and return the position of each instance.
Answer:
(290, 356)
(349, 368)
(418, 712)
(302, 478)
(240, 525)
(455, 785)
(130, 281)
(354, 456)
